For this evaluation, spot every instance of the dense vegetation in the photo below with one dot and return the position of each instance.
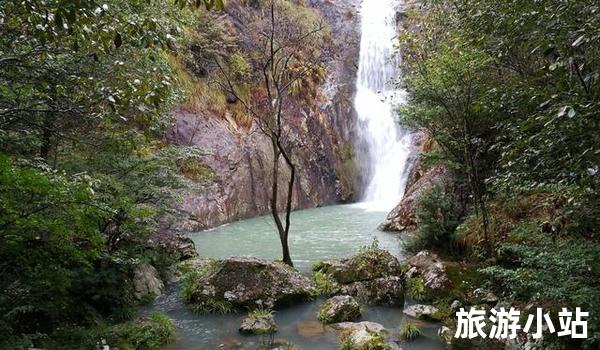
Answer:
(85, 174)
(510, 92)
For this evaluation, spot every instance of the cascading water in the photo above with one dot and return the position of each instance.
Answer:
(387, 145)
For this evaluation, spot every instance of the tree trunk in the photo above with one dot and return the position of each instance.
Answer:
(274, 210)
(288, 206)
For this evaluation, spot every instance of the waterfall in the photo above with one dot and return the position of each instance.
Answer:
(387, 145)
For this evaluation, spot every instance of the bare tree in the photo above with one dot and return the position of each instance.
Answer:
(285, 49)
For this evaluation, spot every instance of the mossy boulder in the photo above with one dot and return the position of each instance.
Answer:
(425, 312)
(362, 336)
(221, 285)
(378, 291)
(258, 324)
(373, 276)
(368, 264)
(340, 308)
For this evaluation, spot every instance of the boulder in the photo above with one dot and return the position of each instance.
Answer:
(340, 308)
(178, 245)
(429, 266)
(456, 304)
(263, 324)
(446, 334)
(367, 265)
(426, 312)
(379, 291)
(146, 282)
(361, 334)
(485, 296)
(245, 283)
(404, 216)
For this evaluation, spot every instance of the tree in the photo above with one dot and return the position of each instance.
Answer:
(283, 41)
(86, 91)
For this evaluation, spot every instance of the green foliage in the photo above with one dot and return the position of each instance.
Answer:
(511, 95)
(324, 283)
(86, 91)
(437, 219)
(324, 315)
(347, 343)
(409, 331)
(375, 342)
(144, 334)
(239, 66)
(415, 288)
(191, 291)
(562, 273)
(261, 313)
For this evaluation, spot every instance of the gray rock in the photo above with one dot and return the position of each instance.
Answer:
(180, 246)
(146, 282)
(361, 333)
(404, 216)
(370, 264)
(340, 308)
(456, 304)
(421, 311)
(446, 335)
(264, 324)
(238, 154)
(429, 266)
(379, 291)
(248, 282)
(485, 295)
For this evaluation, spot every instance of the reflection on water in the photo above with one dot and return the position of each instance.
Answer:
(317, 234)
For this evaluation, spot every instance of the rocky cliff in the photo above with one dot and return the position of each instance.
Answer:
(421, 181)
(237, 158)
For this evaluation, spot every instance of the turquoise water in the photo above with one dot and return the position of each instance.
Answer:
(317, 234)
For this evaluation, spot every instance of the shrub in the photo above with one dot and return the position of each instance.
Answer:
(324, 283)
(409, 331)
(260, 313)
(415, 288)
(144, 333)
(438, 219)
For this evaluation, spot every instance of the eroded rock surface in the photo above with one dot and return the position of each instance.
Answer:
(361, 333)
(378, 291)
(263, 324)
(146, 282)
(339, 308)
(426, 312)
(246, 283)
(404, 216)
(373, 276)
(367, 265)
(234, 168)
(430, 267)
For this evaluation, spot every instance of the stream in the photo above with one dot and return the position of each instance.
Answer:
(317, 234)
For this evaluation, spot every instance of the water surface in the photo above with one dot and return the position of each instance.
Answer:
(317, 234)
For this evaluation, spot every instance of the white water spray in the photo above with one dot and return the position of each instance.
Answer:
(388, 146)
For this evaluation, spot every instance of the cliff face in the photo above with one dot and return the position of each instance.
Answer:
(238, 158)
